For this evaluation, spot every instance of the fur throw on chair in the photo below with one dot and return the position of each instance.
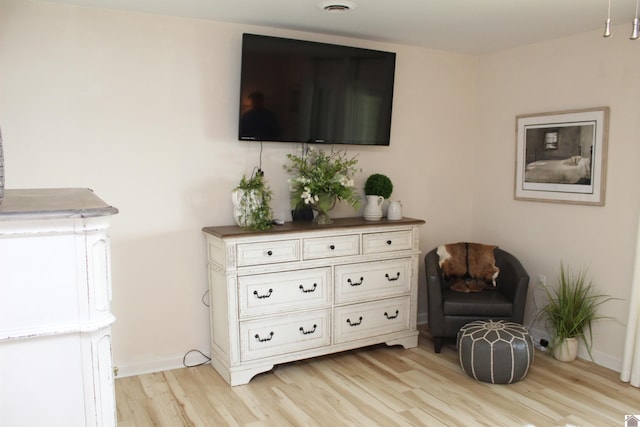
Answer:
(469, 267)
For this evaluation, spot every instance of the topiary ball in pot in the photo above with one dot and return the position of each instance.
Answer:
(378, 185)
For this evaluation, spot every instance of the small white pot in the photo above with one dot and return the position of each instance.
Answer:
(394, 212)
(566, 350)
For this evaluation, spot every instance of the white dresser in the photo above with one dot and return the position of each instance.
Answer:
(302, 290)
(55, 318)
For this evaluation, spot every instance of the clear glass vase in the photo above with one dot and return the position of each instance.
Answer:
(325, 203)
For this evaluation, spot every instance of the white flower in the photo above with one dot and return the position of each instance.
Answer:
(346, 182)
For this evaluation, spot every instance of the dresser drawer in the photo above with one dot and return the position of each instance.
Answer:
(284, 334)
(365, 320)
(357, 282)
(334, 246)
(278, 292)
(373, 243)
(268, 252)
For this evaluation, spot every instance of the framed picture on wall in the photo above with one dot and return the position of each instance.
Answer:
(562, 156)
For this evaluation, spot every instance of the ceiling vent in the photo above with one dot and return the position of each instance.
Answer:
(339, 6)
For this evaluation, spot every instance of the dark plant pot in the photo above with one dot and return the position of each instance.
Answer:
(302, 214)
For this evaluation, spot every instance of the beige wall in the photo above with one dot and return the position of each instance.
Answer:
(143, 109)
(582, 71)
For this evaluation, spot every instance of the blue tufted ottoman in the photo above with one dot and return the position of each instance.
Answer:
(495, 352)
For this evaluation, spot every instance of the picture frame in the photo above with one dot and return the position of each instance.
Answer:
(561, 157)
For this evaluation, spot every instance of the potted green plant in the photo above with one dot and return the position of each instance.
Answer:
(377, 188)
(251, 199)
(571, 309)
(378, 185)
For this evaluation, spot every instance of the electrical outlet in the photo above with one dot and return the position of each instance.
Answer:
(542, 280)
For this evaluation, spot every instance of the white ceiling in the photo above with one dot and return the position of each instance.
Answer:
(465, 26)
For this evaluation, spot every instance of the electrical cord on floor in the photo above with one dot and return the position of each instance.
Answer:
(208, 359)
(542, 343)
(540, 287)
(205, 301)
(535, 308)
(184, 359)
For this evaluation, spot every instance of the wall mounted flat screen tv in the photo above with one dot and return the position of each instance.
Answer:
(302, 91)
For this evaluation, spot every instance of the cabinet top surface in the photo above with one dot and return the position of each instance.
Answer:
(305, 226)
(45, 203)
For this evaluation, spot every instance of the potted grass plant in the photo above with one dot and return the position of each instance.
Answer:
(571, 309)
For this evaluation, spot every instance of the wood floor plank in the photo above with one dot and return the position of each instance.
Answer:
(379, 386)
(356, 407)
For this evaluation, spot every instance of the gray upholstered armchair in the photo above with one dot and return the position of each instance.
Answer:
(450, 310)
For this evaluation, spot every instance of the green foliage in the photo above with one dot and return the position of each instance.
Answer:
(572, 307)
(378, 185)
(319, 177)
(255, 210)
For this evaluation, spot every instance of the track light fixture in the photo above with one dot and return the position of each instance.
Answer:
(635, 29)
(607, 25)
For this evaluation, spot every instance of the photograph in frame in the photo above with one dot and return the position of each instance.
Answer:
(561, 156)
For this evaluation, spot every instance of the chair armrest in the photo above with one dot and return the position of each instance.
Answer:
(435, 311)
(513, 281)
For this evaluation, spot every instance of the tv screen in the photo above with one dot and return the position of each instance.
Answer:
(301, 91)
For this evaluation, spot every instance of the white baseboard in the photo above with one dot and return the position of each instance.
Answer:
(601, 359)
(150, 367)
(606, 360)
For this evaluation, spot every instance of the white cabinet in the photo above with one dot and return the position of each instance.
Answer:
(55, 318)
(302, 290)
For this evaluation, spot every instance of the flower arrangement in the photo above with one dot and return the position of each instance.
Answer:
(320, 178)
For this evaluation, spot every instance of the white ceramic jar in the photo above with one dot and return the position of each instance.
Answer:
(373, 209)
(394, 212)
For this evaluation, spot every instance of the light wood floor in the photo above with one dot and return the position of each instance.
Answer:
(379, 386)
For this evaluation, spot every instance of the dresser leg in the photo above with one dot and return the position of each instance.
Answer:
(235, 376)
(243, 376)
(406, 342)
